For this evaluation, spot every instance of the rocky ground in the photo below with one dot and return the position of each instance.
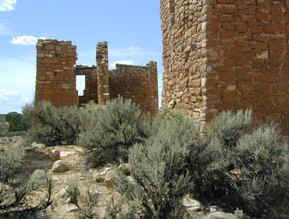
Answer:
(65, 166)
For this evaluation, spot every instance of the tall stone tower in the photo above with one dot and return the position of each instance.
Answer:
(55, 79)
(227, 55)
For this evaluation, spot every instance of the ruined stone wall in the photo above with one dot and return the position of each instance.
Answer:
(55, 80)
(138, 83)
(236, 50)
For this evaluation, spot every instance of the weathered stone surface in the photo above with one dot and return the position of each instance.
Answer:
(191, 204)
(124, 168)
(55, 80)
(59, 166)
(226, 55)
(110, 178)
(55, 155)
(220, 215)
(37, 146)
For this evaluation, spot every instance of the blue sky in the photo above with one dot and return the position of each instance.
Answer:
(132, 29)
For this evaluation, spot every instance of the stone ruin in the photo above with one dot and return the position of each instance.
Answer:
(227, 55)
(57, 71)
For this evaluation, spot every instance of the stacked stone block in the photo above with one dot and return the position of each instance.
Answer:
(227, 55)
(138, 83)
(102, 73)
(55, 81)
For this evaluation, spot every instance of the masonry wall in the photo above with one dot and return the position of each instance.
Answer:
(138, 83)
(237, 50)
(184, 55)
(248, 58)
(55, 80)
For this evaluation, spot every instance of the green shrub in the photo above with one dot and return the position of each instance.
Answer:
(159, 172)
(119, 125)
(15, 186)
(84, 203)
(27, 114)
(55, 126)
(15, 122)
(249, 169)
(4, 127)
(229, 126)
(263, 160)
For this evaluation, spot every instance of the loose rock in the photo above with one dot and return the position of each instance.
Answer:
(59, 166)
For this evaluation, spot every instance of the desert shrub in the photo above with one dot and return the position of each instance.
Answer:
(262, 158)
(4, 126)
(214, 184)
(159, 173)
(15, 121)
(249, 168)
(55, 125)
(88, 115)
(167, 114)
(27, 113)
(120, 124)
(229, 126)
(85, 203)
(15, 186)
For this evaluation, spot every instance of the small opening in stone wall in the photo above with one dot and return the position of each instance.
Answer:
(80, 84)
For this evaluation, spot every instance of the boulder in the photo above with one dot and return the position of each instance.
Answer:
(191, 204)
(124, 168)
(220, 215)
(110, 178)
(59, 166)
(36, 145)
(55, 155)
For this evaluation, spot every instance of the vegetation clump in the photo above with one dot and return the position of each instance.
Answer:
(16, 186)
(231, 163)
(119, 125)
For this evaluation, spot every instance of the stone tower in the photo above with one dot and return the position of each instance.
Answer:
(227, 55)
(55, 79)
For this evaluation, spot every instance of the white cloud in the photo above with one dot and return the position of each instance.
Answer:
(125, 62)
(25, 40)
(7, 5)
(4, 29)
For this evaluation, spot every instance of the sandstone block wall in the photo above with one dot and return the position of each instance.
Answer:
(227, 55)
(184, 55)
(102, 73)
(56, 78)
(138, 83)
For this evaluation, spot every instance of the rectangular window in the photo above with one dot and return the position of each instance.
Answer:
(80, 84)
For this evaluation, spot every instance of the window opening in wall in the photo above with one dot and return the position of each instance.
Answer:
(80, 84)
